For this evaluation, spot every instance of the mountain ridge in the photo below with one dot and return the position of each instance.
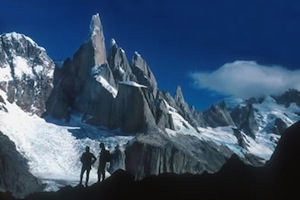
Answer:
(165, 133)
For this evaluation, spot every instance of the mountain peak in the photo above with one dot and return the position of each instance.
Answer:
(97, 39)
(26, 72)
(95, 25)
(137, 55)
(113, 42)
(17, 37)
(178, 94)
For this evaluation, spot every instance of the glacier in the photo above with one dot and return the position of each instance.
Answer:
(53, 148)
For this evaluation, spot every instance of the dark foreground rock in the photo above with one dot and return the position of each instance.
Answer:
(278, 179)
(14, 171)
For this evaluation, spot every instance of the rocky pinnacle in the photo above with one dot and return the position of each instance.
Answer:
(98, 41)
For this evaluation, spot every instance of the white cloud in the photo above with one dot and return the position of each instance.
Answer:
(247, 79)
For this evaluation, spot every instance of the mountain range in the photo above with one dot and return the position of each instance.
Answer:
(50, 112)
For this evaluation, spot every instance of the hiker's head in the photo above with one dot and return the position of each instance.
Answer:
(102, 145)
(87, 149)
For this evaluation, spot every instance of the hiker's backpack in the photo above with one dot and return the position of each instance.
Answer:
(108, 155)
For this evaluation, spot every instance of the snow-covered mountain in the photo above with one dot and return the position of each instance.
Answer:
(26, 72)
(52, 114)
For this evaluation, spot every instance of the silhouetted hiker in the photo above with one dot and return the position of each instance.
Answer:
(87, 159)
(104, 158)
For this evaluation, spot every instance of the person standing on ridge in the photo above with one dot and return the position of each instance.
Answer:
(87, 159)
(104, 158)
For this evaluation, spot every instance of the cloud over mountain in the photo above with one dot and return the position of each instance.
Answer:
(247, 79)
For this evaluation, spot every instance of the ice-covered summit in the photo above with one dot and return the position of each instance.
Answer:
(14, 36)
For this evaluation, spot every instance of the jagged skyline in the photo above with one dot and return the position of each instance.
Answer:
(177, 39)
(165, 131)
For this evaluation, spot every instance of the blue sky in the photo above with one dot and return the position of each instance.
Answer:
(211, 48)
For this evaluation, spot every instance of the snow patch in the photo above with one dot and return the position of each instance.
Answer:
(21, 67)
(113, 42)
(137, 54)
(132, 83)
(5, 73)
(95, 72)
(39, 69)
(121, 70)
(107, 86)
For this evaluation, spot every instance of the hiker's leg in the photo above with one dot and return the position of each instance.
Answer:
(81, 175)
(103, 174)
(99, 175)
(87, 177)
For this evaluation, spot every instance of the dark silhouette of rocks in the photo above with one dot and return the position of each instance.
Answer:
(284, 165)
(6, 196)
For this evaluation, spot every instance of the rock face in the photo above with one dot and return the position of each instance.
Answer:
(218, 115)
(26, 72)
(117, 60)
(291, 96)
(143, 73)
(148, 155)
(14, 171)
(244, 118)
(184, 109)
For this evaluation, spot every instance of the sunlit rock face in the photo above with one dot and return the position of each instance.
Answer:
(26, 72)
(118, 62)
(143, 73)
